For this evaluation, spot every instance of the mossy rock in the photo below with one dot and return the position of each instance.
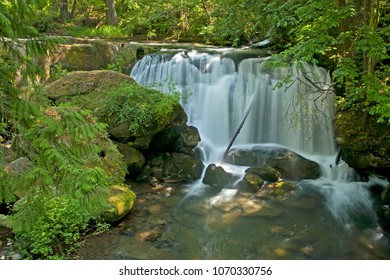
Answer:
(133, 159)
(365, 143)
(216, 176)
(250, 183)
(121, 199)
(84, 54)
(93, 90)
(278, 190)
(266, 172)
(110, 160)
(87, 89)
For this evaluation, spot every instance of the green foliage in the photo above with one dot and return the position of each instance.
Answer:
(57, 72)
(58, 230)
(63, 187)
(60, 192)
(105, 31)
(118, 62)
(354, 37)
(141, 107)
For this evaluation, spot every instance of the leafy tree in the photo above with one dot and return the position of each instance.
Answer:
(353, 36)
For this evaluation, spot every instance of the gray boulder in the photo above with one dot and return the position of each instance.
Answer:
(291, 165)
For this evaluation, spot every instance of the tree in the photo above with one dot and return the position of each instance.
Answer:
(112, 17)
(64, 9)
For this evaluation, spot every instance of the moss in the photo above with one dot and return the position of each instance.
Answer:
(121, 200)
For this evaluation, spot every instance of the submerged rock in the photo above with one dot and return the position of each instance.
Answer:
(250, 183)
(291, 165)
(278, 190)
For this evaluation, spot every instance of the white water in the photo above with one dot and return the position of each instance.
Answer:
(217, 92)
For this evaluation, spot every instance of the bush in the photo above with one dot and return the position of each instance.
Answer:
(143, 108)
(58, 230)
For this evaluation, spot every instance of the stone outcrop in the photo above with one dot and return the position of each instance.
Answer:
(86, 88)
(169, 139)
(364, 143)
(82, 54)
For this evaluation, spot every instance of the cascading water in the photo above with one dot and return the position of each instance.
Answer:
(217, 92)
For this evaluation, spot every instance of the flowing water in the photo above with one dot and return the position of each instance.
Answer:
(332, 217)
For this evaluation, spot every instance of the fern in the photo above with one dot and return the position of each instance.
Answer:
(67, 183)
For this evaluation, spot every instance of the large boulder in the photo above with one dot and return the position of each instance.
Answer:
(84, 54)
(133, 158)
(181, 138)
(291, 165)
(110, 160)
(85, 88)
(265, 172)
(182, 167)
(364, 143)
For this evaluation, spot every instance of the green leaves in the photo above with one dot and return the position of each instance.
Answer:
(350, 36)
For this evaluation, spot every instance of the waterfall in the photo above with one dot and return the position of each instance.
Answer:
(217, 91)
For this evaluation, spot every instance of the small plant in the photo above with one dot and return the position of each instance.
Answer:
(118, 63)
(57, 72)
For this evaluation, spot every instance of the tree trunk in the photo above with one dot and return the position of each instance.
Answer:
(112, 17)
(64, 11)
(73, 8)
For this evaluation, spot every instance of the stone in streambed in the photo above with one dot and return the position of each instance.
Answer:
(216, 176)
(291, 165)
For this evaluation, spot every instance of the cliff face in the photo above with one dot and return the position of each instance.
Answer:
(364, 143)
